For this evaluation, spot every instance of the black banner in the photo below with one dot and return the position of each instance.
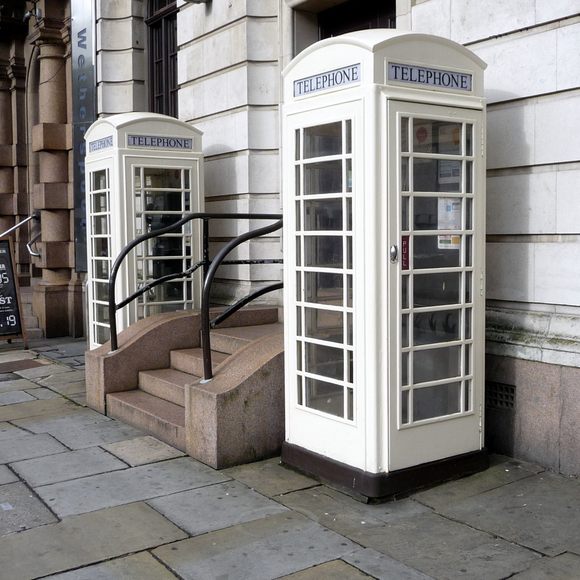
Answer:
(10, 320)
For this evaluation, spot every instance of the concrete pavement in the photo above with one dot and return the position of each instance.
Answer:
(83, 496)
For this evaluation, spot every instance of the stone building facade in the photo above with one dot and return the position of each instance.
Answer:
(227, 59)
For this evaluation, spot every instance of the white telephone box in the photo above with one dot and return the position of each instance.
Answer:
(143, 173)
(384, 206)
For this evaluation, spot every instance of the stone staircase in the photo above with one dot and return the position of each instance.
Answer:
(206, 420)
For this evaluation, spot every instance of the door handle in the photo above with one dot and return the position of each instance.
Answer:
(394, 253)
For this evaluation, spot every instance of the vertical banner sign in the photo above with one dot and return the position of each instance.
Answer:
(10, 316)
(84, 114)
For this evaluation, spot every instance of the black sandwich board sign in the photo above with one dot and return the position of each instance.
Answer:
(11, 325)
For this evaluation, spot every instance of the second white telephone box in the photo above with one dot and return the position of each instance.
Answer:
(384, 205)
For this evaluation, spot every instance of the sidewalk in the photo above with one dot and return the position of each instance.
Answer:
(85, 497)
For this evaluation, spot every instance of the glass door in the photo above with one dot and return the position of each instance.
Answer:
(435, 207)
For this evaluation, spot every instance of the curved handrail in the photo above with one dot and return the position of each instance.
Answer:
(205, 262)
(215, 264)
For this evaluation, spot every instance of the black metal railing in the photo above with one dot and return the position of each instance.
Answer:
(209, 269)
(33, 217)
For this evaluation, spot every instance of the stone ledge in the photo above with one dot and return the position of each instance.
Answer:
(51, 137)
(547, 337)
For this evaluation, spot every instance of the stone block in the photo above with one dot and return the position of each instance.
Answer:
(120, 9)
(53, 166)
(55, 255)
(121, 97)
(51, 136)
(510, 271)
(5, 155)
(562, 566)
(569, 432)
(547, 11)
(555, 279)
(567, 210)
(121, 34)
(52, 196)
(121, 65)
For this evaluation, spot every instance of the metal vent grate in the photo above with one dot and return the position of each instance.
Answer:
(500, 396)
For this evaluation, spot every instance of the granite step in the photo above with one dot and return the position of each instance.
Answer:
(190, 360)
(167, 384)
(229, 340)
(163, 419)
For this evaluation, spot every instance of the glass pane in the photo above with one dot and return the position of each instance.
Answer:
(468, 250)
(100, 180)
(158, 268)
(168, 292)
(404, 407)
(436, 364)
(324, 288)
(297, 150)
(467, 369)
(162, 177)
(101, 269)
(431, 136)
(163, 201)
(468, 315)
(437, 213)
(101, 291)
(137, 178)
(298, 321)
(325, 361)
(468, 284)
(350, 366)
(436, 251)
(164, 246)
(101, 247)
(323, 251)
(469, 177)
(323, 140)
(469, 140)
(349, 175)
(467, 396)
(404, 368)
(349, 214)
(434, 327)
(158, 221)
(186, 178)
(404, 134)
(323, 214)
(349, 328)
(299, 398)
(405, 292)
(297, 180)
(404, 174)
(103, 334)
(99, 202)
(348, 139)
(350, 404)
(323, 177)
(101, 313)
(298, 251)
(298, 217)
(325, 397)
(468, 214)
(100, 225)
(349, 290)
(436, 401)
(404, 214)
(324, 324)
(405, 331)
(436, 289)
(299, 286)
(436, 175)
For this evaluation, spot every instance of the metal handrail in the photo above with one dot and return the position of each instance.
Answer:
(207, 265)
(34, 216)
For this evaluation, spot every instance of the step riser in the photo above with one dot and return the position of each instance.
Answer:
(227, 344)
(186, 363)
(162, 389)
(167, 432)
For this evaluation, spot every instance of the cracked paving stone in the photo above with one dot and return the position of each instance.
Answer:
(20, 510)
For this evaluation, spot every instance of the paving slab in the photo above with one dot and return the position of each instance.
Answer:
(79, 399)
(42, 393)
(82, 540)
(141, 566)
(9, 431)
(29, 446)
(562, 567)
(74, 388)
(383, 567)
(500, 473)
(540, 512)
(442, 548)
(215, 507)
(122, 487)
(270, 547)
(72, 417)
(6, 475)
(35, 409)
(270, 478)
(61, 378)
(8, 377)
(347, 516)
(16, 384)
(66, 466)
(45, 370)
(337, 570)
(21, 510)
(143, 450)
(17, 355)
(13, 397)
(93, 434)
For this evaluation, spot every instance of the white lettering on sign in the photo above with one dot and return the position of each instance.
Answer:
(340, 77)
(99, 144)
(159, 142)
(420, 75)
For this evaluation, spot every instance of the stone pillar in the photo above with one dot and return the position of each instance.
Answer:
(52, 140)
(6, 174)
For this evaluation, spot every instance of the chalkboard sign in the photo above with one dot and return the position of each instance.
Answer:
(10, 316)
